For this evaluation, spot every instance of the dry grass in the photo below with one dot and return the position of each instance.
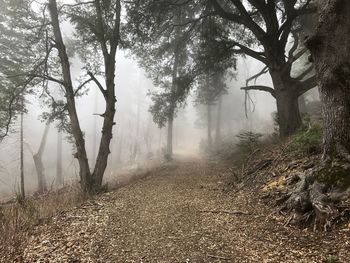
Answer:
(17, 219)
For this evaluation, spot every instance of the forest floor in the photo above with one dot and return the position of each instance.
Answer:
(180, 213)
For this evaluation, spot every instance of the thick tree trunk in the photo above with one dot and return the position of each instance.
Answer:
(330, 49)
(327, 186)
(289, 119)
(218, 121)
(210, 140)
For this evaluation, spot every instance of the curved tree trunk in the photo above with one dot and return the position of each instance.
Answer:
(330, 49)
(39, 166)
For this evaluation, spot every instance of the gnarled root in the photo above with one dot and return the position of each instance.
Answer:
(320, 197)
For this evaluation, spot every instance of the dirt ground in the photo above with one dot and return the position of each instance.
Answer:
(180, 213)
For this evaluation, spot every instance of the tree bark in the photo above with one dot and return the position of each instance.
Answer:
(289, 119)
(330, 49)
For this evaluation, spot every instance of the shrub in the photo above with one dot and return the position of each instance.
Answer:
(248, 142)
(235, 147)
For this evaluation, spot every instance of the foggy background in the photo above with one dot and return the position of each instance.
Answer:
(134, 131)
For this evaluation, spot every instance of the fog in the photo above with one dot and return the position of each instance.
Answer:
(137, 141)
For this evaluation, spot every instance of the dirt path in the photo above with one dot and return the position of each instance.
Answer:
(165, 218)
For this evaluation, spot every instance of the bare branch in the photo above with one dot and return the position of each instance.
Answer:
(255, 77)
(252, 53)
(260, 88)
(307, 84)
(307, 71)
(81, 86)
(99, 85)
(297, 56)
(295, 45)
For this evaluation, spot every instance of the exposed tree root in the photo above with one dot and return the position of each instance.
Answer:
(319, 197)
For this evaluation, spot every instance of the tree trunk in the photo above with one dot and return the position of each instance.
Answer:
(210, 140)
(218, 121)
(170, 137)
(107, 128)
(289, 119)
(84, 171)
(39, 166)
(22, 194)
(109, 94)
(324, 189)
(94, 130)
(330, 49)
(59, 175)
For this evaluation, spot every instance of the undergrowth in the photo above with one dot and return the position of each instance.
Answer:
(237, 147)
(307, 140)
(18, 218)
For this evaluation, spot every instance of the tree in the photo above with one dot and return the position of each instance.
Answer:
(22, 189)
(98, 24)
(165, 55)
(213, 66)
(320, 193)
(14, 17)
(59, 174)
(218, 121)
(330, 49)
(269, 25)
(260, 29)
(37, 158)
(96, 27)
(211, 88)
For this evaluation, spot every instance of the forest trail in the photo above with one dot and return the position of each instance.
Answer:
(179, 213)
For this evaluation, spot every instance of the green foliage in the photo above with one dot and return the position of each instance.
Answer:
(248, 141)
(18, 47)
(307, 140)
